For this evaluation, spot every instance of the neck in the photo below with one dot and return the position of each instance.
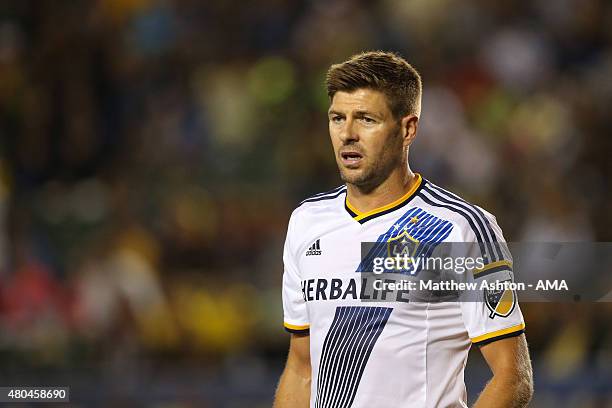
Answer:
(392, 188)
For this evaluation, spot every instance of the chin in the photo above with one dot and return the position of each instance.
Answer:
(350, 175)
(356, 177)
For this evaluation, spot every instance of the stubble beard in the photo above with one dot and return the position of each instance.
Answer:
(375, 172)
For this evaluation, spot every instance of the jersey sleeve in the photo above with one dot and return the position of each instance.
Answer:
(295, 312)
(491, 311)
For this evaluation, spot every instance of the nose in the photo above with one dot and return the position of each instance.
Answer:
(349, 132)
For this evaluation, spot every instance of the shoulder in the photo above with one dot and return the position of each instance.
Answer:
(323, 197)
(471, 218)
(314, 214)
(321, 202)
(317, 210)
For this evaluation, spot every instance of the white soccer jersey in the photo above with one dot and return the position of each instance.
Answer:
(392, 353)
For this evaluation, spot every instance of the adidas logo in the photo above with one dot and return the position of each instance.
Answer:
(315, 248)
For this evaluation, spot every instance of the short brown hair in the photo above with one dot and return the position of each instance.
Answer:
(382, 71)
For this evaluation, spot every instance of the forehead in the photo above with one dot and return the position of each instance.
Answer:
(362, 99)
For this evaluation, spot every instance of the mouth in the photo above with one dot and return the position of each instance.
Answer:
(351, 158)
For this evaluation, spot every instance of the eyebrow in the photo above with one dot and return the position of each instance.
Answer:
(357, 113)
(363, 113)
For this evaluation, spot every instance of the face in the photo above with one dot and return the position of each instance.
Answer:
(369, 143)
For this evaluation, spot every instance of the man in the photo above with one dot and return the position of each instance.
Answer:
(345, 352)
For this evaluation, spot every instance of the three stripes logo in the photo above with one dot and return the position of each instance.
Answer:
(315, 248)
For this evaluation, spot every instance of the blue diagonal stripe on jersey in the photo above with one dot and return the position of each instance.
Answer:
(346, 350)
(429, 230)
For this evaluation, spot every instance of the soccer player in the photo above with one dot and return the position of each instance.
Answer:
(345, 352)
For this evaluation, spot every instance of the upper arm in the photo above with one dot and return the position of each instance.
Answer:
(509, 357)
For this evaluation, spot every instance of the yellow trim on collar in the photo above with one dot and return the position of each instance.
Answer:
(362, 215)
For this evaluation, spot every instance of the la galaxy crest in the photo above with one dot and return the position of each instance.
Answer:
(402, 245)
(413, 235)
(500, 302)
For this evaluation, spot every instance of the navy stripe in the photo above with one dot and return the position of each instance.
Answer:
(329, 197)
(336, 336)
(349, 210)
(503, 336)
(327, 192)
(354, 318)
(296, 331)
(335, 190)
(357, 352)
(469, 220)
(333, 335)
(481, 231)
(370, 217)
(346, 350)
(478, 213)
(339, 362)
(381, 317)
(400, 205)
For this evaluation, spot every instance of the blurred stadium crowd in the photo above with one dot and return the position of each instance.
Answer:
(151, 152)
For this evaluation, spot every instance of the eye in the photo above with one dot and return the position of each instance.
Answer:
(337, 118)
(368, 120)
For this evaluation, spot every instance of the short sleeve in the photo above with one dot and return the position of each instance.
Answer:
(491, 311)
(295, 312)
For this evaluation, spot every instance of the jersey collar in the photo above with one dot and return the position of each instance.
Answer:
(362, 217)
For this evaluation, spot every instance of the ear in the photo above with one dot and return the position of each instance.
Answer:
(409, 124)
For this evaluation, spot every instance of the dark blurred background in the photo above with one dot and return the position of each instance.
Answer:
(151, 152)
